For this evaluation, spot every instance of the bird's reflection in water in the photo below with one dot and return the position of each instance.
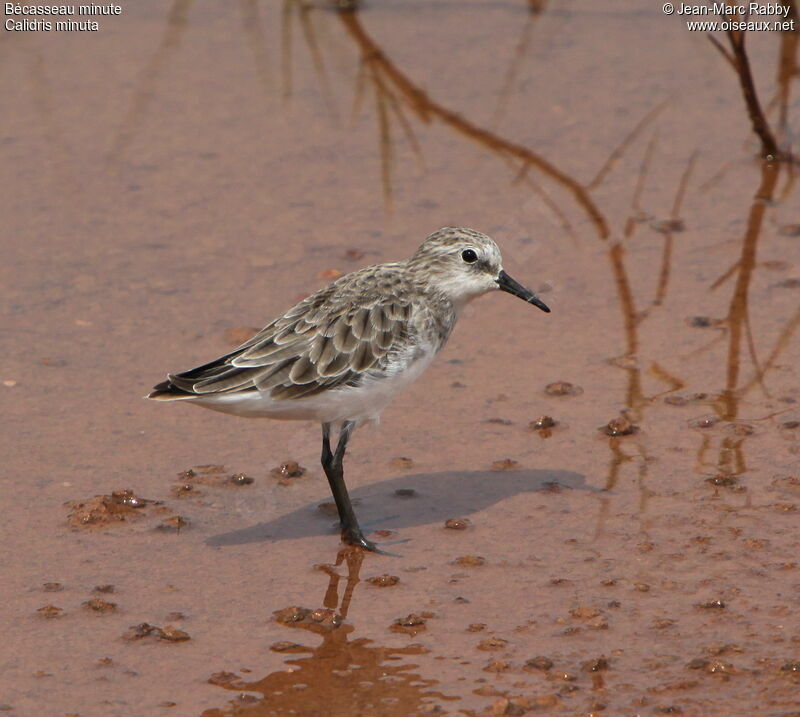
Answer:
(339, 677)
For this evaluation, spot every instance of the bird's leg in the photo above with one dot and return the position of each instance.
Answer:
(332, 465)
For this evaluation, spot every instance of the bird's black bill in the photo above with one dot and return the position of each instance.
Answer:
(506, 283)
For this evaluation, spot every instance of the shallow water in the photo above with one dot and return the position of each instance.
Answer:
(193, 168)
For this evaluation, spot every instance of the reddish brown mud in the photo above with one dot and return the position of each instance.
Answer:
(600, 505)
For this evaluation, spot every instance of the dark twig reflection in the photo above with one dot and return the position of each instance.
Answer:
(669, 228)
(738, 59)
(177, 22)
(254, 32)
(738, 317)
(310, 37)
(788, 70)
(636, 399)
(504, 95)
(426, 110)
(627, 141)
(730, 462)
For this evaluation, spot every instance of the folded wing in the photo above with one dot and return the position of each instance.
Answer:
(323, 342)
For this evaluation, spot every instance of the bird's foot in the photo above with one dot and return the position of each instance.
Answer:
(354, 536)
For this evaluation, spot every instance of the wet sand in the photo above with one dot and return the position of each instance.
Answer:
(178, 178)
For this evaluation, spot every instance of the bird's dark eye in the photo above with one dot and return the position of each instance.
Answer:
(469, 256)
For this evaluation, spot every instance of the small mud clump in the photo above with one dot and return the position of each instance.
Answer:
(383, 581)
(793, 283)
(401, 463)
(663, 623)
(173, 524)
(495, 665)
(286, 646)
(667, 226)
(712, 666)
(704, 422)
(291, 614)
(145, 629)
(539, 663)
(240, 479)
(457, 523)
(102, 510)
(619, 426)
(724, 649)
(516, 705)
(288, 471)
(506, 464)
(543, 425)
(223, 678)
(173, 634)
(492, 643)
(599, 664)
(584, 612)
(724, 481)
(137, 632)
(703, 322)
(323, 619)
(105, 589)
(676, 400)
(52, 587)
(562, 388)
(185, 490)
(100, 606)
(789, 230)
(500, 421)
(405, 493)
(50, 611)
(409, 625)
(470, 561)
(212, 474)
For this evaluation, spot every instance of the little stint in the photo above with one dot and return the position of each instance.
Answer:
(341, 355)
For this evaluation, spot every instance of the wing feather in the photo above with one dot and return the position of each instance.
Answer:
(358, 322)
(338, 364)
(272, 352)
(379, 319)
(323, 342)
(273, 376)
(344, 338)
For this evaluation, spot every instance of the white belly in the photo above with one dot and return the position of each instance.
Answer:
(360, 404)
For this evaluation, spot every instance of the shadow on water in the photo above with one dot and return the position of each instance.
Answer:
(435, 498)
(339, 677)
